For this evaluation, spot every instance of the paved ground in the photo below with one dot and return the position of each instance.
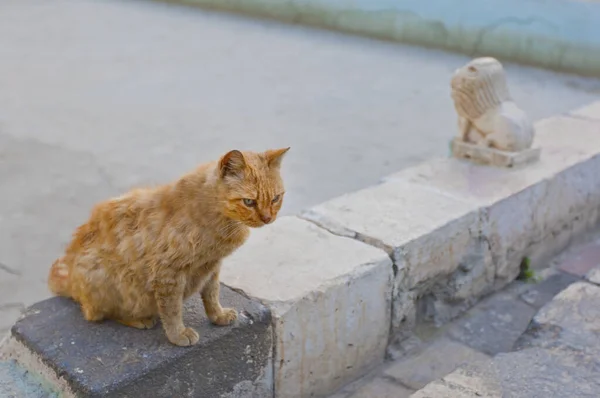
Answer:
(96, 96)
(501, 324)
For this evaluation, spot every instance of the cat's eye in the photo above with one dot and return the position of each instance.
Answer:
(276, 199)
(250, 202)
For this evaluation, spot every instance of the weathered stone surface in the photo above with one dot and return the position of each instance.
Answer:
(570, 321)
(532, 211)
(330, 298)
(436, 361)
(433, 239)
(109, 360)
(539, 294)
(559, 356)
(381, 388)
(460, 384)
(493, 157)
(532, 373)
(17, 382)
(493, 325)
(582, 261)
(593, 276)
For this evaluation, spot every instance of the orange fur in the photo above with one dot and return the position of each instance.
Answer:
(141, 254)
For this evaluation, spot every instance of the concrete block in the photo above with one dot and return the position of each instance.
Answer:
(593, 276)
(330, 298)
(106, 359)
(530, 211)
(491, 156)
(433, 239)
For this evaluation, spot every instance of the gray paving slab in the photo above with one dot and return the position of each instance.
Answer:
(556, 357)
(494, 325)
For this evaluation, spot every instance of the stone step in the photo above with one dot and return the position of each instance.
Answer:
(558, 356)
(79, 358)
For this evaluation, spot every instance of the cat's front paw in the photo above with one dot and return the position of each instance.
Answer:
(186, 338)
(226, 317)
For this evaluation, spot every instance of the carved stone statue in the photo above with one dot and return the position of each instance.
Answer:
(487, 115)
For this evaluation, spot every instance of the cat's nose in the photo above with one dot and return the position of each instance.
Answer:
(266, 218)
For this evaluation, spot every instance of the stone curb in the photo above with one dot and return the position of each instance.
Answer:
(560, 35)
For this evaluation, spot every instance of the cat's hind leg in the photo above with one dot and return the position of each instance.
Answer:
(90, 313)
(59, 280)
(145, 323)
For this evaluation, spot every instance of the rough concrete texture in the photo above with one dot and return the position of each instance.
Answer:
(581, 263)
(109, 360)
(539, 294)
(381, 388)
(330, 298)
(491, 156)
(435, 361)
(532, 373)
(493, 325)
(594, 276)
(569, 322)
(529, 211)
(141, 92)
(558, 356)
(456, 230)
(428, 234)
(17, 382)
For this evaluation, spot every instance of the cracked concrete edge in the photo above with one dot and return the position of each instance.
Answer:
(335, 228)
(555, 35)
(13, 350)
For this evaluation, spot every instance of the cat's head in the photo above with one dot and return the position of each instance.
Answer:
(252, 188)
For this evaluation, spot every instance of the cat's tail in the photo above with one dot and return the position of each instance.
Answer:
(58, 280)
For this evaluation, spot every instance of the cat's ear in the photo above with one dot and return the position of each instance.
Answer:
(274, 156)
(232, 163)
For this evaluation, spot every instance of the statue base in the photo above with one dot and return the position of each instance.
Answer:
(491, 156)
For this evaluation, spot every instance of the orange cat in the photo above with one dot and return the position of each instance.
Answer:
(141, 254)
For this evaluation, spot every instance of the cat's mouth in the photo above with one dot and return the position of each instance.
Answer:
(258, 224)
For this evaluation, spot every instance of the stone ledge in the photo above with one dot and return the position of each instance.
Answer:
(330, 298)
(457, 230)
(106, 359)
(491, 156)
(532, 211)
(428, 234)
